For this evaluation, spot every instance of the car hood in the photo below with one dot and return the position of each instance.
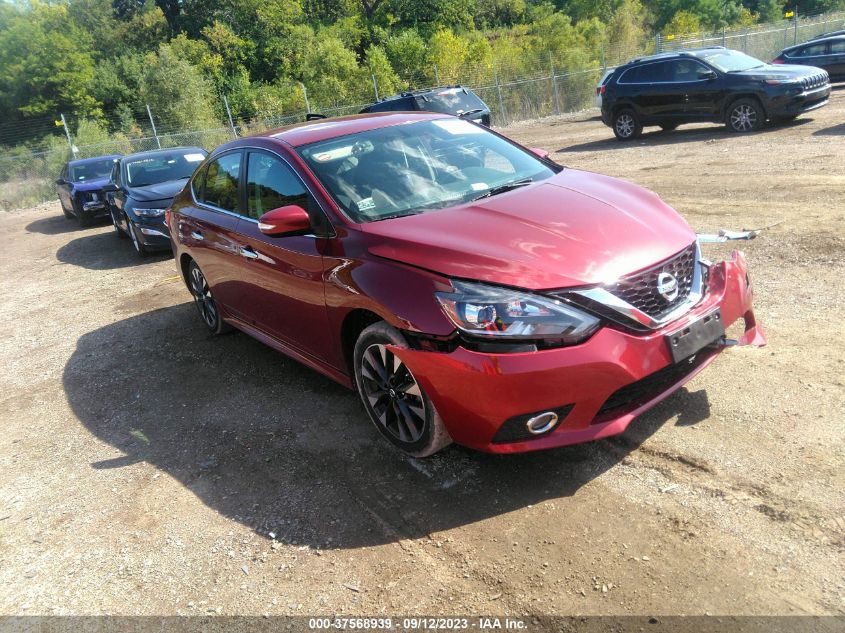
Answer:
(779, 71)
(574, 229)
(90, 185)
(158, 191)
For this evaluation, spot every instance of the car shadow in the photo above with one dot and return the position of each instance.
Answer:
(105, 251)
(834, 130)
(657, 137)
(279, 448)
(59, 224)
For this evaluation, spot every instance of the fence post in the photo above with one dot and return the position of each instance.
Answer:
(554, 83)
(723, 35)
(436, 75)
(795, 18)
(375, 84)
(499, 95)
(745, 42)
(305, 95)
(73, 149)
(657, 43)
(229, 114)
(150, 114)
(603, 60)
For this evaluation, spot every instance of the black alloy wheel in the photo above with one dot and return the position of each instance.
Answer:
(395, 401)
(203, 299)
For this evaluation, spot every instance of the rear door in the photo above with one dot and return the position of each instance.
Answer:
(207, 228)
(282, 277)
(812, 55)
(836, 66)
(63, 189)
(653, 91)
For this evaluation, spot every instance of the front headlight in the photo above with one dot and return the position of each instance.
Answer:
(149, 213)
(483, 310)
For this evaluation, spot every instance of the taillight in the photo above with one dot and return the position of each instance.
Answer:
(600, 89)
(777, 60)
(167, 215)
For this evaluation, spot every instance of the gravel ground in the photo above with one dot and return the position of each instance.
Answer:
(146, 468)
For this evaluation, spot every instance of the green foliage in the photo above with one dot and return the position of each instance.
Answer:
(176, 92)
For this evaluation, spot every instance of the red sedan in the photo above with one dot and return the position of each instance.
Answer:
(469, 288)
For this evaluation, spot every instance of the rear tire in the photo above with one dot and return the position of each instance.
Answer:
(396, 403)
(627, 125)
(204, 300)
(745, 115)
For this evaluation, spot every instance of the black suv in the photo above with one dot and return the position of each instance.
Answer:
(826, 52)
(457, 100)
(715, 84)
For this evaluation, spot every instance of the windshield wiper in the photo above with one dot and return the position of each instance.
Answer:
(470, 112)
(394, 216)
(493, 191)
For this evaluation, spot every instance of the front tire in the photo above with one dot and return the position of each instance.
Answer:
(745, 115)
(136, 241)
(204, 300)
(396, 403)
(627, 125)
(118, 231)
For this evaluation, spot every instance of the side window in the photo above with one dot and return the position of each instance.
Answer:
(811, 51)
(115, 173)
(647, 73)
(837, 47)
(221, 182)
(684, 70)
(272, 184)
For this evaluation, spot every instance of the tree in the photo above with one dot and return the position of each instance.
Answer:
(171, 10)
(46, 65)
(178, 95)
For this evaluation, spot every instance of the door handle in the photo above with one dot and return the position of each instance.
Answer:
(197, 236)
(247, 252)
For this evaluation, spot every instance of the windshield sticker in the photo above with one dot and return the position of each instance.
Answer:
(479, 186)
(366, 204)
(194, 158)
(457, 126)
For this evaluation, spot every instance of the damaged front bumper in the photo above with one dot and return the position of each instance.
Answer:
(594, 389)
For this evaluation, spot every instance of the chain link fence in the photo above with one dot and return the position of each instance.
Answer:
(552, 86)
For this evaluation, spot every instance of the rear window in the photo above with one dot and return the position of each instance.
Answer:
(450, 101)
(647, 73)
(811, 51)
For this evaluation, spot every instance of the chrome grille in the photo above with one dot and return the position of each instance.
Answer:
(640, 289)
(815, 81)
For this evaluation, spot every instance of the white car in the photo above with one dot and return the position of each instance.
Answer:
(600, 86)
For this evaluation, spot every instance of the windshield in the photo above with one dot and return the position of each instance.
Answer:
(731, 61)
(450, 101)
(95, 170)
(415, 167)
(157, 168)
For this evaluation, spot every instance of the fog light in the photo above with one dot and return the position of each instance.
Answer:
(539, 424)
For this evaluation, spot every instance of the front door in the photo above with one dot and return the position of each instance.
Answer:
(282, 277)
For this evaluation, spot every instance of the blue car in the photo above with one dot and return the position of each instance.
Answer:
(141, 188)
(80, 188)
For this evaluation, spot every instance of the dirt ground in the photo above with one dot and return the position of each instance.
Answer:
(146, 468)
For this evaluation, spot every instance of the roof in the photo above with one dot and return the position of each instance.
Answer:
(819, 39)
(94, 159)
(164, 150)
(686, 52)
(324, 129)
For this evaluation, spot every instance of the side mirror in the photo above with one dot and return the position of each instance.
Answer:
(539, 152)
(709, 75)
(289, 220)
(60, 181)
(110, 186)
